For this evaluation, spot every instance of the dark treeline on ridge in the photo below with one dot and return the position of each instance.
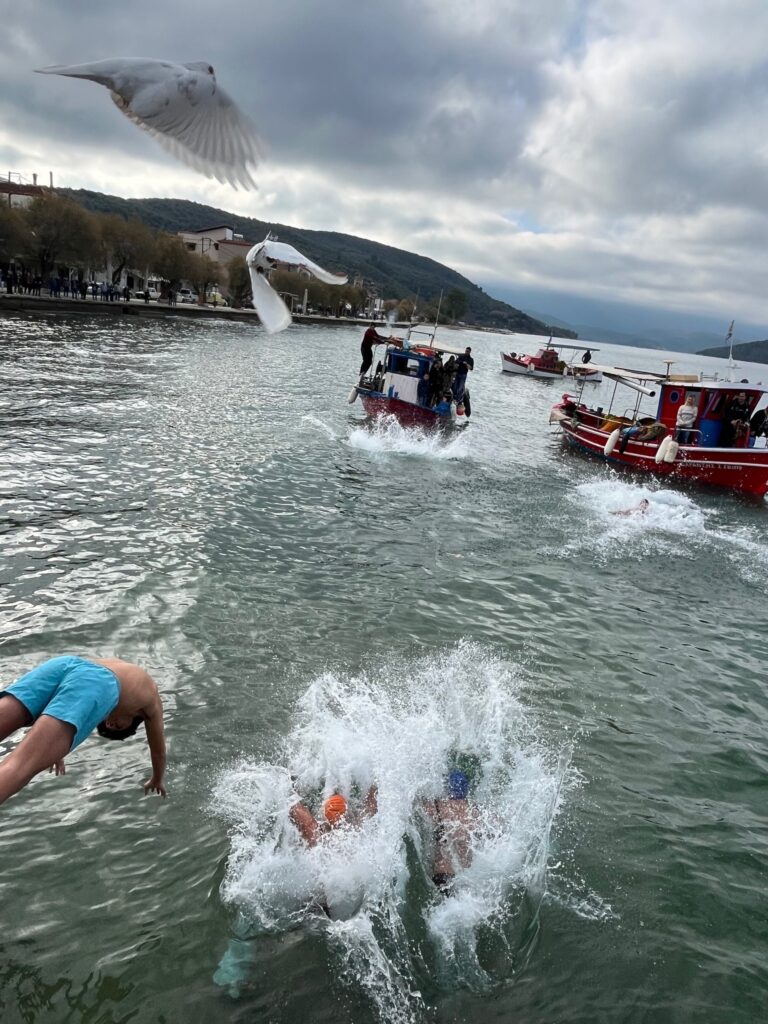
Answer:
(395, 273)
(749, 351)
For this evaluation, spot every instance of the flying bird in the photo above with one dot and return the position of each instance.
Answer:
(262, 258)
(184, 108)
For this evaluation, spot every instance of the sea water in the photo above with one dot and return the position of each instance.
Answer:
(329, 604)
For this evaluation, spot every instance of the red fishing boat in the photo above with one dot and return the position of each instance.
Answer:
(715, 450)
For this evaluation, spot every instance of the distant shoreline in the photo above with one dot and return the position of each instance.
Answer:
(17, 303)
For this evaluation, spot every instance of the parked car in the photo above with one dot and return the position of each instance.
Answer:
(216, 299)
(186, 295)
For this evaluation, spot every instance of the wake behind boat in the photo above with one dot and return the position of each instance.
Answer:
(705, 433)
(548, 363)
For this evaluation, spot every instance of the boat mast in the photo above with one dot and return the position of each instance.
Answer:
(437, 317)
(729, 342)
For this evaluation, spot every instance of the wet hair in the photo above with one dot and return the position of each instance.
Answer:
(119, 734)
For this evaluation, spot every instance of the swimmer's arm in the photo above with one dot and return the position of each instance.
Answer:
(153, 722)
(371, 805)
(305, 822)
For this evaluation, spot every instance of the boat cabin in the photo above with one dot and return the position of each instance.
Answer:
(546, 359)
(404, 367)
(710, 429)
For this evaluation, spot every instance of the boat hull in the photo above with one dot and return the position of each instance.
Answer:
(737, 469)
(529, 369)
(406, 413)
(526, 369)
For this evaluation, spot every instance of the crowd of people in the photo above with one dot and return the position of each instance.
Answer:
(58, 286)
(446, 380)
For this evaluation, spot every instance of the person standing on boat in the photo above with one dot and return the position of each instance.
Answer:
(735, 421)
(436, 380)
(686, 417)
(464, 364)
(587, 357)
(370, 338)
(423, 389)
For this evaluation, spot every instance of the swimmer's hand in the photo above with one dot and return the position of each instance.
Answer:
(154, 785)
(58, 767)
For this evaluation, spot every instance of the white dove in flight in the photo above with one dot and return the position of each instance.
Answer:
(272, 311)
(184, 108)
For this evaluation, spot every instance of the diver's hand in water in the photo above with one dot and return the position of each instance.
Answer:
(154, 785)
(58, 767)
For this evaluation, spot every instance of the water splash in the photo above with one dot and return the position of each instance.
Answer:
(385, 436)
(403, 728)
(674, 525)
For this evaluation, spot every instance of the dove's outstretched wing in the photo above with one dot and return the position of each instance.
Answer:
(271, 251)
(184, 108)
(272, 311)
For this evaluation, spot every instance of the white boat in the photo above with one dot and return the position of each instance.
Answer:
(549, 364)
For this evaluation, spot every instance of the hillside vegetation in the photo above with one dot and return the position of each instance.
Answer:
(394, 273)
(749, 351)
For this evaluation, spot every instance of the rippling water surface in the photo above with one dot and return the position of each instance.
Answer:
(342, 604)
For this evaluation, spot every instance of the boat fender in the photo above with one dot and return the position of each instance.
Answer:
(661, 451)
(612, 441)
(672, 450)
(352, 396)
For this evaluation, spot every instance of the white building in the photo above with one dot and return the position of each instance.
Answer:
(220, 243)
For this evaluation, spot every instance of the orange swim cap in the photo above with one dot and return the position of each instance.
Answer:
(334, 808)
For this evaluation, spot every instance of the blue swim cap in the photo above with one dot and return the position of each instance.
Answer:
(458, 786)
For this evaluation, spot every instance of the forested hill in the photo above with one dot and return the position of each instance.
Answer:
(395, 273)
(749, 351)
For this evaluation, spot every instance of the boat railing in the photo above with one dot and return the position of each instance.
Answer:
(689, 431)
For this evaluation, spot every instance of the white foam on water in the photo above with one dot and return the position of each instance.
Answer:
(674, 524)
(386, 436)
(403, 728)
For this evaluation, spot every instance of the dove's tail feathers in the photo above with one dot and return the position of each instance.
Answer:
(272, 311)
(101, 71)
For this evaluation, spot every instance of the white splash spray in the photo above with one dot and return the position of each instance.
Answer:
(674, 525)
(385, 436)
(403, 728)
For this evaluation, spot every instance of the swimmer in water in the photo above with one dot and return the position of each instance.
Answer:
(640, 509)
(335, 812)
(454, 820)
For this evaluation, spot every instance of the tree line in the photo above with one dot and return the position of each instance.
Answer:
(55, 236)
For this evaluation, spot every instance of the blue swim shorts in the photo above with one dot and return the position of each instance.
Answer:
(71, 689)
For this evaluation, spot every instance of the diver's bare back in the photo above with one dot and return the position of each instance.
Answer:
(138, 690)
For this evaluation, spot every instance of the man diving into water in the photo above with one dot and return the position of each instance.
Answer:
(64, 700)
(454, 821)
(335, 812)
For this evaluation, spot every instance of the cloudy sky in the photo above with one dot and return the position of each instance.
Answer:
(563, 151)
